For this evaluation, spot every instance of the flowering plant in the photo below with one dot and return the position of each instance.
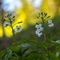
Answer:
(29, 49)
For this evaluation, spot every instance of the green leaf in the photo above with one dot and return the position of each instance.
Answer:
(25, 40)
(25, 50)
(37, 44)
(16, 49)
(51, 56)
(2, 53)
(33, 55)
(8, 55)
(33, 42)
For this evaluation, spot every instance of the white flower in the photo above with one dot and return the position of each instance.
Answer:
(18, 28)
(6, 24)
(49, 21)
(41, 28)
(40, 34)
(37, 31)
(57, 54)
(38, 26)
(50, 24)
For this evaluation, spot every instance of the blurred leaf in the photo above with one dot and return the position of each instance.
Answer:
(25, 40)
(55, 34)
(8, 55)
(37, 44)
(25, 50)
(16, 49)
(51, 56)
(2, 53)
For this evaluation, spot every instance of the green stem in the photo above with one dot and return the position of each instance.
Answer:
(48, 54)
(44, 29)
(13, 31)
(45, 38)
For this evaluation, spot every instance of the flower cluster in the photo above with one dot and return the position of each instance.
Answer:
(39, 29)
(9, 23)
(41, 26)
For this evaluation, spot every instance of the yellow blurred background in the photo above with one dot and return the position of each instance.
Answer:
(28, 14)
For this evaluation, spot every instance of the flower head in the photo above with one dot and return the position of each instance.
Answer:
(18, 28)
(6, 24)
(39, 29)
(50, 24)
(39, 34)
(49, 21)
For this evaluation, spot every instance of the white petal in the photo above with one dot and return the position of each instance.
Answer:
(37, 31)
(51, 25)
(39, 34)
(38, 26)
(41, 28)
(18, 28)
(49, 21)
(6, 24)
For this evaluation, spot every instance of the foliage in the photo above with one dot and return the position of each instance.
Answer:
(30, 49)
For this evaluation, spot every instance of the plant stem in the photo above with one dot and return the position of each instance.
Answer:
(44, 29)
(13, 32)
(45, 38)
